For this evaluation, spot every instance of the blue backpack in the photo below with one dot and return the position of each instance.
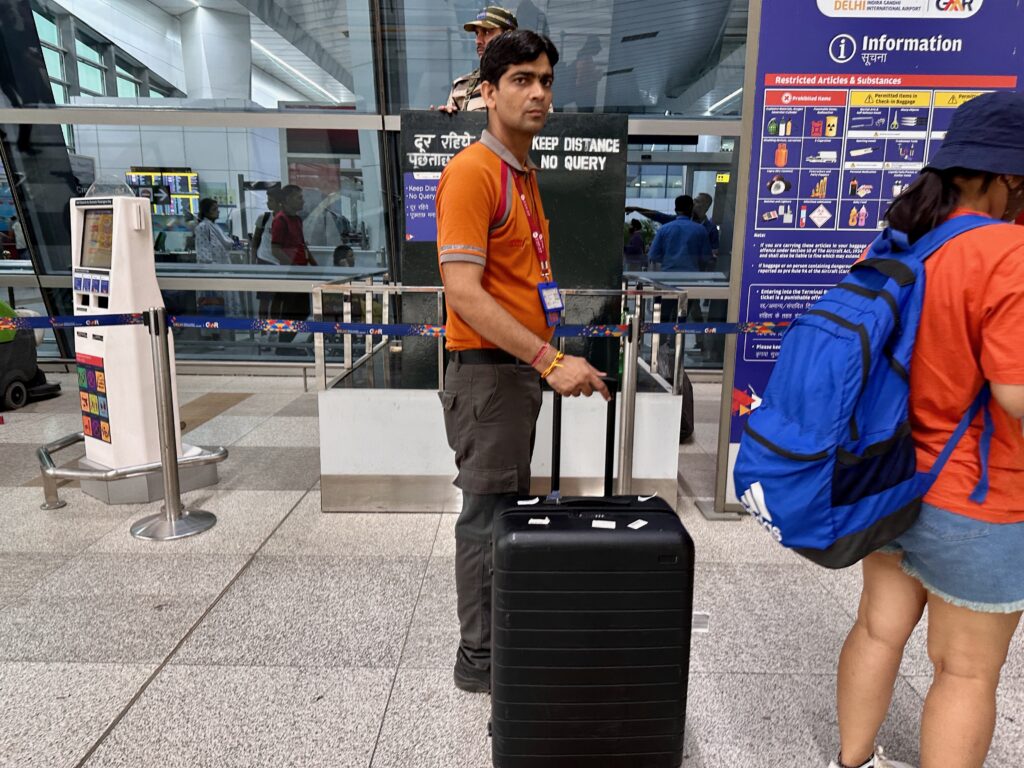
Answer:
(827, 462)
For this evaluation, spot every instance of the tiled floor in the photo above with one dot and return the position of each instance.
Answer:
(286, 637)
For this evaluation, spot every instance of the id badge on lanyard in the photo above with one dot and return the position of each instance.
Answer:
(550, 297)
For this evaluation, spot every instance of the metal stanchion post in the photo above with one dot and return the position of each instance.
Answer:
(680, 343)
(630, 368)
(174, 521)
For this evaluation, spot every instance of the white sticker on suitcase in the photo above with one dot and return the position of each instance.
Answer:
(636, 525)
(539, 521)
(529, 502)
(647, 498)
(609, 524)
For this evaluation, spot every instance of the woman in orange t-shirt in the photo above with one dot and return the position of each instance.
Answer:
(962, 560)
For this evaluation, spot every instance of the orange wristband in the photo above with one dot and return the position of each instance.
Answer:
(554, 364)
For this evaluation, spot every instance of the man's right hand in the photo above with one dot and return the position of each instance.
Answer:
(446, 108)
(577, 377)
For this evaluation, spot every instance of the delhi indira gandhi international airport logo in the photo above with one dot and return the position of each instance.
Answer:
(842, 49)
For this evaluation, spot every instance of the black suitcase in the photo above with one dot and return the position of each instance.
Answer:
(592, 605)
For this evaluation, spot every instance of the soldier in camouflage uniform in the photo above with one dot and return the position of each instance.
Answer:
(488, 24)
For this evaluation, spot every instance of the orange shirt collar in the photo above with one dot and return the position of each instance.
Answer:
(489, 140)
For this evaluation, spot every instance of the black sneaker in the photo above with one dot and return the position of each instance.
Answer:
(471, 680)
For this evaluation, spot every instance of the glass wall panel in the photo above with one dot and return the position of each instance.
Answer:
(90, 78)
(46, 29)
(636, 56)
(237, 54)
(280, 208)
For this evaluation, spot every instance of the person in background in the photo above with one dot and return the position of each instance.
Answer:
(289, 248)
(261, 246)
(635, 249)
(213, 246)
(488, 24)
(681, 245)
(20, 246)
(701, 205)
(964, 557)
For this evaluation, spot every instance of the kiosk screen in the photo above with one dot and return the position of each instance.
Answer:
(97, 238)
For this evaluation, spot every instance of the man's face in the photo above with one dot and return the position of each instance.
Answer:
(700, 207)
(293, 203)
(484, 35)
(522, 98)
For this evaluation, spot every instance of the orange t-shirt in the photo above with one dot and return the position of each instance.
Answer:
(972, 330)
(481, 220)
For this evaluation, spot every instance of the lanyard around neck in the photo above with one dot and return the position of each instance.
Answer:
(536, 231)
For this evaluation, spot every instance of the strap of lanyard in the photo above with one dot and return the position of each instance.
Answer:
(536, 232)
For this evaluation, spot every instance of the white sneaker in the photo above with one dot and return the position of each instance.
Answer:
(878, 760)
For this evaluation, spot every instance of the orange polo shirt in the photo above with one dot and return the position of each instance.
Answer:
(481, 220)
(972, 330)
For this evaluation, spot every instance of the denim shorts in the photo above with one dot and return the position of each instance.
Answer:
(966, 562)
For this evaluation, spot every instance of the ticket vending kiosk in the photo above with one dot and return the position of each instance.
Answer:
(114, 272)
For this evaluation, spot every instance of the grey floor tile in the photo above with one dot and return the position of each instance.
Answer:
(106, 628)
(740, 540)
(264, 404)
(764, 719)
(269, 469)
(308, 531)
(260, 384)
(66, 402)
(237, 717)
(65, 531)
(434, 634)
(692, 446)
(19, 464)
(38, 428)
(697, 473)
(137, 575)
(53, 713)
(285, 432)
(21, 571)
(303, 405)
(223, 430)
(1007, 750)
(444, 544)
(766, 618)
(199, 382)
(429, 722)
(244, 520)
(311, 611)
(706, 436)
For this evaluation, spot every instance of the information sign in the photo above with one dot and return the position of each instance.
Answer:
(843, 122)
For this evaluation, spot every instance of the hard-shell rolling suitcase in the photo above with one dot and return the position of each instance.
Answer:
(592, 607)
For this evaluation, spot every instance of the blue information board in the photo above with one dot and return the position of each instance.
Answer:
(852, 98)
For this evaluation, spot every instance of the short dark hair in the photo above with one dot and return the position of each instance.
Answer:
(684, 205)
(205, 206)
(514, 47)
(635, 225)
(289, 189)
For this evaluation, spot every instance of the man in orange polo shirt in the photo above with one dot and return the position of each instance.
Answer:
(502, 305)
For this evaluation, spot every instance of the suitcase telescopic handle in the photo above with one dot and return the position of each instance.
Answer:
(609, 441)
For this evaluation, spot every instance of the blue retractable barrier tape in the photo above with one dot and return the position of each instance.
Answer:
(372, 329)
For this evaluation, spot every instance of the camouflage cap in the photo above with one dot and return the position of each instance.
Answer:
(493, 17)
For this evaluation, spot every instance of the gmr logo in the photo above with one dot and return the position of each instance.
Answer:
(753, 501)
(962, 6)
(842, 49)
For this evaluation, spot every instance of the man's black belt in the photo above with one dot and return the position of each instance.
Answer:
(485, 357)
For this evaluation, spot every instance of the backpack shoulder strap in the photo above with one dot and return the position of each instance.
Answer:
(947, 230)
(892, 254)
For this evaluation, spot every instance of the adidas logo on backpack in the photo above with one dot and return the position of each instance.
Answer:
(829, 452)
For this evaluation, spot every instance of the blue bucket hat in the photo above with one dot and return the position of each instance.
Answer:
(986, 134)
